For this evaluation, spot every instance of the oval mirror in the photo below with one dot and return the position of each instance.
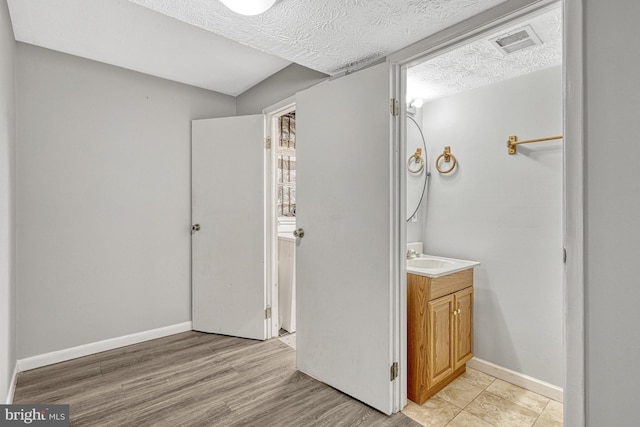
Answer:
(416, 167)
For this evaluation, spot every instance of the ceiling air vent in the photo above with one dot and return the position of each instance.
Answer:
(516, 40)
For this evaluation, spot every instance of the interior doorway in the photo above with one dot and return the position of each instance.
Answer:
(281, 221)
(502, 82)
(284, 144)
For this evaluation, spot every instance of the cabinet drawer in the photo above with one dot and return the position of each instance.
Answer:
(450, 283)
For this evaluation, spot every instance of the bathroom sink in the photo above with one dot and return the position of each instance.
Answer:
(428, 263)
(435, 266)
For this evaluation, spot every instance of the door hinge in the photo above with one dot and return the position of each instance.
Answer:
(564, 255)
(267, 312)
(395, 107)
(394, 371)
(267, 143)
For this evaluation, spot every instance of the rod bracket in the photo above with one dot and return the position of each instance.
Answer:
(511, 147)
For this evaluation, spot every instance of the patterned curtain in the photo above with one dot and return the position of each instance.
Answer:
(287, 165)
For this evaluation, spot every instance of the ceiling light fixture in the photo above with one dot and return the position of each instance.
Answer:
(416, 103)
(248, 7)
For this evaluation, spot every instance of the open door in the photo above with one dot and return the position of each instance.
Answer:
(346, 280)
(228, 270)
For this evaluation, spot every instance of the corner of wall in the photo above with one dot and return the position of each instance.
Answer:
(12, 385)
(281, 85)
(7, 203)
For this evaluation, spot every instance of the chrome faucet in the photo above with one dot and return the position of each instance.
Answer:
(411, 254)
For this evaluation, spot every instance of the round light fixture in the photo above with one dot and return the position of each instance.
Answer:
(248, 7)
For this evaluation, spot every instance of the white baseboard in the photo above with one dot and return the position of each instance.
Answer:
(96, 347)
(529, 383)
(12, 385)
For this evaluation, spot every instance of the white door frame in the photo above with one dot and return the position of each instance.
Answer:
(271, 216)
(398, 235)
(573, 289)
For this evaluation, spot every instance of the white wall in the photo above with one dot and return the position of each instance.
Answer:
(280, 86)
(506, 212)
(612, 213)
(103, 199)
(7, 200)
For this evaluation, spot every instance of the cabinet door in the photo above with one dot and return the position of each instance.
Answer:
(441, 339)
(463, 326)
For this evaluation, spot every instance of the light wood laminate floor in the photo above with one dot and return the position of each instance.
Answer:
(196, 379)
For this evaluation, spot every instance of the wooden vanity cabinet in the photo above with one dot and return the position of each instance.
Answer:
(439, 331)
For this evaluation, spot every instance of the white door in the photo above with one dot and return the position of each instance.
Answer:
(345, 204)
(228, 271)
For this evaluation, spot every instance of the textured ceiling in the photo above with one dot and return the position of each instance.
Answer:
(329, 35)
(121, 33)
(479, 63)
(204, 44)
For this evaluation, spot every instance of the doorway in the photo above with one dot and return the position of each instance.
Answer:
(283, 223)
(502, 209)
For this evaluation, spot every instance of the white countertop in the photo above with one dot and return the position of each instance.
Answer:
(436, 266)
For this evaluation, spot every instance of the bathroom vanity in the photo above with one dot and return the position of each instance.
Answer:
(439, 325)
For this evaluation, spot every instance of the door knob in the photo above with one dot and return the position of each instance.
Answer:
(298, 233)
(195, 227)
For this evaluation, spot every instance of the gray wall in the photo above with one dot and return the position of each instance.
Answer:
(103, 199)
(7, 199)
(277, 87)
(506, 212)
(612, 212)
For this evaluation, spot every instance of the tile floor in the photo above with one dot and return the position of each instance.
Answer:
(476, 399)
(289, 339)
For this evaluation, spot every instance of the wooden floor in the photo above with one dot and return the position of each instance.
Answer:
(195, 379)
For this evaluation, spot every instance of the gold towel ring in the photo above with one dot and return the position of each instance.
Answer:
(418, 161)
(447, 158)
